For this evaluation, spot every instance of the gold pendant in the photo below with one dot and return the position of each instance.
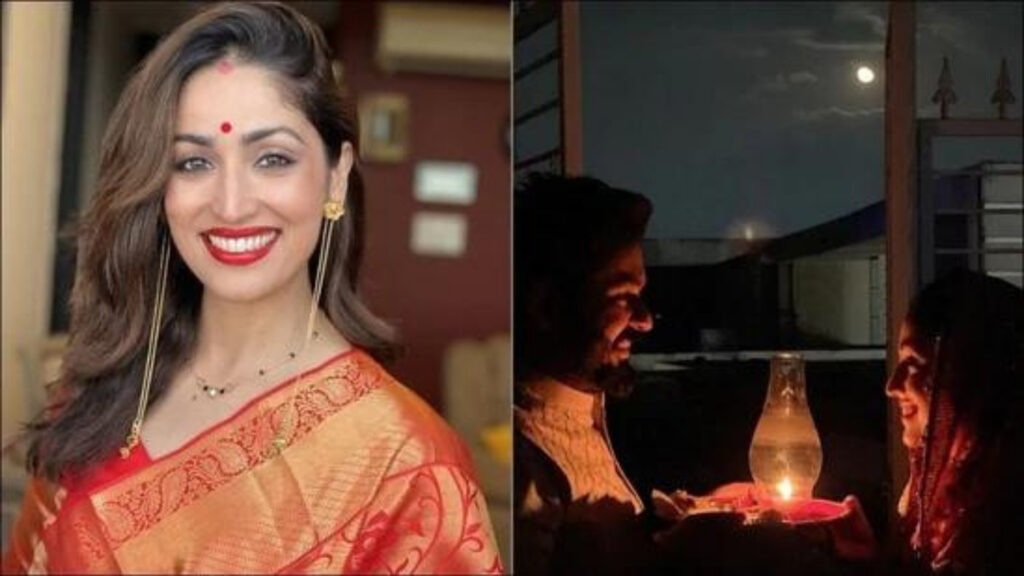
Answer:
(277, 445)
(213, 391)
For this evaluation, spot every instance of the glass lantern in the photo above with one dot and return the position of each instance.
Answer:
(785, 453)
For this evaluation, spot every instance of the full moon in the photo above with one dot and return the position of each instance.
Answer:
(865, 75)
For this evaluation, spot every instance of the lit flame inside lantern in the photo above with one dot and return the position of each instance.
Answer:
(785, 489)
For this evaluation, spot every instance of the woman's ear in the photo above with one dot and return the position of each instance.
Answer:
(338, 187)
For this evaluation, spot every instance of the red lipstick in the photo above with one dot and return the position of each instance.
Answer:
(234, 257)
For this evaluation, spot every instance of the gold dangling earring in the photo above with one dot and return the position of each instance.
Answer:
(154, 338)
(333, 211)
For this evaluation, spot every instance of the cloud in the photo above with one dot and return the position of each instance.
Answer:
(808, 38)
(832, 46)
(867, 13)
(934, 21)
(742, 43)
(780, 83)
(802, 77)
(947, 28)
(751, 43)
(820, 114)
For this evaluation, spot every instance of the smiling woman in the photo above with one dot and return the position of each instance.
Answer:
(220, 358)
(958, 389)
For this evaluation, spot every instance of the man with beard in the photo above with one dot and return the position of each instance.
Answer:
(579, 273)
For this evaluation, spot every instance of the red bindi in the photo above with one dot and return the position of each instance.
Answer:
(225, 127)
(224, 66)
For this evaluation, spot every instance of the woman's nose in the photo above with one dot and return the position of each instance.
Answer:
(232, 201)
(894, 385)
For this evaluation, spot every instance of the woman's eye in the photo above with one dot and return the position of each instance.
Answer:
(194, 164)
(274, 161)
(915, 367)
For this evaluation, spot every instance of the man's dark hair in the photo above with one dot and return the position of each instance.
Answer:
(565, 230)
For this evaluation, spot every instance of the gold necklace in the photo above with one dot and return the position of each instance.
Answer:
(214, 392)
(279, 441)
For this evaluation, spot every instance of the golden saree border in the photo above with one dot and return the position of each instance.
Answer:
(362, 445)
(131, 506)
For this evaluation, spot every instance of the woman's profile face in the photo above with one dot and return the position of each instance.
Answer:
(909, 384)
(250, 176)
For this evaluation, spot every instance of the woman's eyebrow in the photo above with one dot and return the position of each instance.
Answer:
(194, 139)
(911, 348)
(262, 133)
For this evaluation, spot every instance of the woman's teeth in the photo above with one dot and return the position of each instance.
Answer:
(240, 245)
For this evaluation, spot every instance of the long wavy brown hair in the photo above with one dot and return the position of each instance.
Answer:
(118, 238)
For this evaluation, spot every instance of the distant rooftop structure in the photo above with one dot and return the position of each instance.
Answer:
(694, 251)
(977, 224)
(824, 287)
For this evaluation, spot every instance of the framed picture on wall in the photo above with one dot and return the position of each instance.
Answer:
(384, 127)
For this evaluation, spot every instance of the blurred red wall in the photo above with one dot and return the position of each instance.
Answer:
(433, 301)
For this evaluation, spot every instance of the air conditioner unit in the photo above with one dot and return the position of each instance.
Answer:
(456, 39)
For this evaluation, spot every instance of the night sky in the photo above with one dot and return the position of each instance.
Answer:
(729, 114)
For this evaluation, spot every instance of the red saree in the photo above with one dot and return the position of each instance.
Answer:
(371, 481)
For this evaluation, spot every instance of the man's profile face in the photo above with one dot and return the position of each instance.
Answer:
(618, 312)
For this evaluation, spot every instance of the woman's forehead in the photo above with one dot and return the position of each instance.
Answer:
(912, 340)
(244, 94)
